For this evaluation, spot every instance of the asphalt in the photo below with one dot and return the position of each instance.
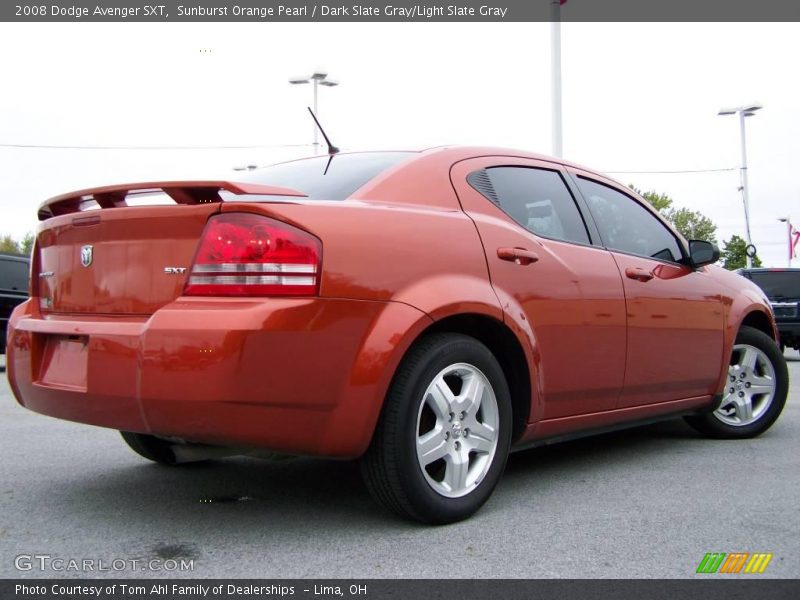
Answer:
(644, 503)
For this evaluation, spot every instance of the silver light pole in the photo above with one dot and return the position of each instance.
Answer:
(318, 77)
(744, 111)
(555, 75)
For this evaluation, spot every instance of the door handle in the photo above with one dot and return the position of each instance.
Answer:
(638, 274)
(521, 256)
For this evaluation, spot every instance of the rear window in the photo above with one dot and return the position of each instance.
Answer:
(14, 275)
(345, 173)
(778, 284)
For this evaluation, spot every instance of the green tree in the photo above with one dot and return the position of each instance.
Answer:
(661, 202)
(26, 245)
(733, 256)
(692, 225)
(8, 245)
(11, 246)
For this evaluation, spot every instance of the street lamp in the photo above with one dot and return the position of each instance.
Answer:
(788, 222)
(318, 77)
(744, 111)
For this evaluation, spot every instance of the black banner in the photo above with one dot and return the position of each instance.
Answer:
(400, 10)
(735, 588)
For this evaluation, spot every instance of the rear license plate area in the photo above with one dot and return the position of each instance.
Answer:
(64, 362)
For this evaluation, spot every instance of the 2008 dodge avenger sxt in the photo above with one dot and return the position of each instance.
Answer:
(425, 312)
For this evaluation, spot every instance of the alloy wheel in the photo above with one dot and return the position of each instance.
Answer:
(750, 387)
(457, 430)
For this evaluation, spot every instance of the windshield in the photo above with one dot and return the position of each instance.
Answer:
(345, 173)
(778, 284)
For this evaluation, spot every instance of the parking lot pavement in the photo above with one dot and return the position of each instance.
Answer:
(647, 502)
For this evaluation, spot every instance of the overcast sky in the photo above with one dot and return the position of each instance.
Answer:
(637, 97)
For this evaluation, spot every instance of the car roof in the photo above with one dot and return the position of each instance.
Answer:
(19, 257)
(461, 152)
(456, 153)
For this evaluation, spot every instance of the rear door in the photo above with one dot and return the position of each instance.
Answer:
(548, 274)
(675, 316)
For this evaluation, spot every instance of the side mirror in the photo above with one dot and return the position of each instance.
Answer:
(702, 253)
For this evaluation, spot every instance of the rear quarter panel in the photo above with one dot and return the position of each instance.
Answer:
(431, 258)
(426, 257)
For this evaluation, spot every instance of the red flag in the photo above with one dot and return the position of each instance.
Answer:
(794, 241)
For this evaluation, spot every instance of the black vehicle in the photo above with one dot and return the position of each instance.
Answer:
(14, 271)
(782, 287)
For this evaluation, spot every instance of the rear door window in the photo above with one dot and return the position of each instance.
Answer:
(537, 199)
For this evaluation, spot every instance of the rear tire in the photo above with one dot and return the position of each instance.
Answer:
(150, 447)
(755, 389)
(442, 440)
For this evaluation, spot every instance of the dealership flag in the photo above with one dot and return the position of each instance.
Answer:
(794, 240)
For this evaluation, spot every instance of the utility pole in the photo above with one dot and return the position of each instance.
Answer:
(745, 197)
(555, 75)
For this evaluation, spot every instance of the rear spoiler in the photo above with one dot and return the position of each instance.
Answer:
(182, 192)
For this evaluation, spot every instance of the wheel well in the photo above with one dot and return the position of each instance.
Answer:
(759, 320)
(506, 349)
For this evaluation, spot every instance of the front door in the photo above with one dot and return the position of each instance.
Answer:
(675, 317)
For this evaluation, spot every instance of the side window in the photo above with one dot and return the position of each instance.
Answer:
(626, 225)
(537, 199)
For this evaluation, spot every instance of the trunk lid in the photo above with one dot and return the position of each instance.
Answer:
(124, 259)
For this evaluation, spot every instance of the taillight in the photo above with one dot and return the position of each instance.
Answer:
(242, 254)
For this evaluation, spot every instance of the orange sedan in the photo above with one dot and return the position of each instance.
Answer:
(424, 312)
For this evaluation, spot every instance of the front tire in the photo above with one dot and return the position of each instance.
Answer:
(442, 440)
(755, 389)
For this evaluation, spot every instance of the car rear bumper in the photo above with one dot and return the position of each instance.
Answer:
(291, 375)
